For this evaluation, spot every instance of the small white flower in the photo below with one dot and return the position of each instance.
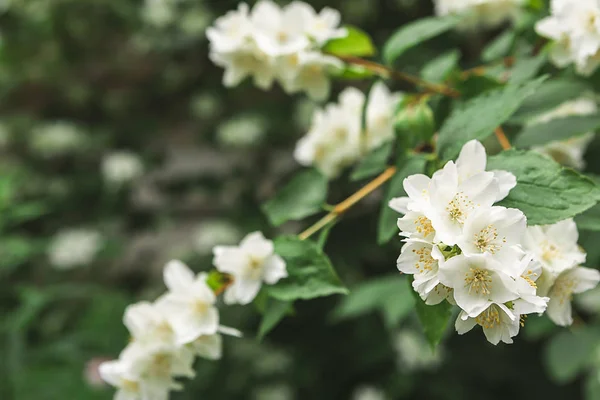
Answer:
(368, 393)
(499, 323)
(159, 12)
(249, 61)
(241, 131)
(232, 31)
(569, 282)
(526, 275)
(251, 263)
(478, 281)
(380, 113)
(57, 139)
(211, 346)
(189, 304)
(308, 72)
(479, 13)
(121, 167)
(149, 323)
(74, 248)
(421, 259)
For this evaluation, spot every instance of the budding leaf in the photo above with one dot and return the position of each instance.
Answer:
(557, 129)
(416, 32)
(300, 198)
(275, 311)
(388, 217)
(356, 43)
(434, 319)
(478, 117)
(546, 192)
(374, 163)
(310, 273)
(568, 353)
(389, 295)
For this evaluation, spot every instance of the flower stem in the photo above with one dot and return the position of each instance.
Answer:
(342, 207)
(501, 136)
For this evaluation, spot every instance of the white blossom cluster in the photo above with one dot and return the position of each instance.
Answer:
(479, 13)
(574, 27)
(336, 138)
(270, 43)
(568, 152)
(72, 248)
(462, 248)
(183, 323)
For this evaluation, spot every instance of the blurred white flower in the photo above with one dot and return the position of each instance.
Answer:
(568, 152)
(251, 263)
(56, 139)
(479, 13)
(414, 353)
(570, 282)
(74, 248)
(366, 392)
(211, 233)
(574, 28)
(159, 12)
(280, 391)
(273, 43)
(205, 105)
(241, 131)
(121, 167)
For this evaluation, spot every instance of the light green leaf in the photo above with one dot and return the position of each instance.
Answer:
(438, 69)
(412, 34)
(568, 353)
(499, 47)
(478, 117)
(434, 319)
(548, 96)
(557, 129)
(589, 220)
(387, 217)
(545, 191)
(389, 295)
(357, 43)
(310, 273)
(300, 198)
(276, 310)
(526, 68)
(374, 163)
(592, 386)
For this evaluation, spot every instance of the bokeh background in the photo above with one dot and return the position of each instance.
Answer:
(121, 150)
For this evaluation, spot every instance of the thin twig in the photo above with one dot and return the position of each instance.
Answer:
(501, 136)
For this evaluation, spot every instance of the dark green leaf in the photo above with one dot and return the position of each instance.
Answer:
(526, 68)
(557, 129)
(545, 191)
(300, 198)
(387, 217)
(438, 69)
(589, 220)
(499, 47)
(434, 319)
(357, 43)
(478, 117)
(414, 33)
(374, 163)
(592, 387)
(476, 85)
(568, 353)
(310, 272)
(276, 310)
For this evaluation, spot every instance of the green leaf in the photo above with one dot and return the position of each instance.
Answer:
(499, 47)
(17, 250)
(568, 353)
(545, 191)
(434, 319)
(476, 85)
(592, 386)
(356, 43)
(389, 295)
(414, 33)
(557, 129)
(589, 220)
(276, 310)
(548, 96)
(387, 217)
(300, 198)
(478, 117)
(526, 68)
(438, 69)
(310, 273)
(374, 163)
(353, 72)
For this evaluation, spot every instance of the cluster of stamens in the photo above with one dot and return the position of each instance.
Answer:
(478, 280)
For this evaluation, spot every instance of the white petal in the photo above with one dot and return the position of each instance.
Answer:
(399, 204)
(177, 276)
(209, 346)
(274, 269)
(463, 326)
(242, 291)
(256, 245)
(472, 159)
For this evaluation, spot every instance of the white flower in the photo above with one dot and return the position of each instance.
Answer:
(149, 323)
(574, 26)
(308, 72)
(368, 393)
(497, 231)
(323, 26)
(189, 304)
(421, 259)
(211, 346)
(74, 248)
(527, 273)
(568, 152)
(232, 31)
(479, 13)
(569, 282)
(380, 113)
(478, 281)
(499, 323)
(57, 139)
(250, 263)
(242, 131)
(554, 246)
(159, 12)
(121, 167)
(249, 61)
